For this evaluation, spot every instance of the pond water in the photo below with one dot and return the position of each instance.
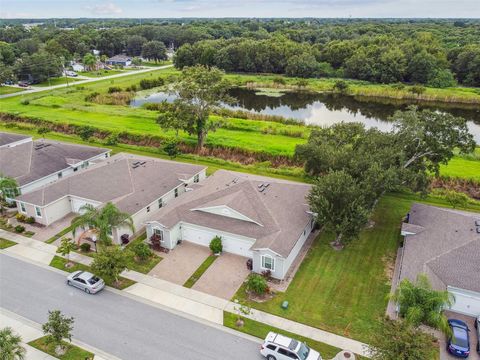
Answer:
(325, 109)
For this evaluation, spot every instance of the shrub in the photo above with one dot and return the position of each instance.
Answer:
(142, 251)
(171, 149)
(85, 247)
(30, 220)
(131, 88)
(85, 132)
(114, 89)
(456, 199)
(267, 274)
(341, 86)
(43, 130)
(151, 83)
(25, 102)
(112, 140)
(257, 284)
(20, 217)
(19, 228)
(417, 89)
(398, 86)
(91, 97)
(279, 81)
(216, 245)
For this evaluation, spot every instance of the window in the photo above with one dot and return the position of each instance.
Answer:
(287, 353)
(23, 208)
(159, 233)
(271, 347)
(38, 212)
(160, 203)
(268, 262)
(75, 169)
(148, 208)
(176, 192)
(196, 178)
(106, 155)
(59, 175)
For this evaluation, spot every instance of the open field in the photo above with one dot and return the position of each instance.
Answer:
(9, 90)
(56, 81)
(100, 73)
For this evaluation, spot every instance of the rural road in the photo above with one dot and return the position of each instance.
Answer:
(114, 323)
(89, 80)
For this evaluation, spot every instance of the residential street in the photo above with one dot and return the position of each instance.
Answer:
(113, 323)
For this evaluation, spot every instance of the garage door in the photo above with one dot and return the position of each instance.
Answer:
(466, 302)
(230, 244)
(77, 205)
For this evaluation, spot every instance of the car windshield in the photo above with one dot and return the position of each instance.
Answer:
(303, 351)
(93, 280)
(459, 337)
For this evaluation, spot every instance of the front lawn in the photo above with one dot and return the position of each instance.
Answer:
(72, 353)
(9, 90)
(99, 73)
(133, 263)
(4, 243)
(59, 263)
(199, 272)
(261, 330)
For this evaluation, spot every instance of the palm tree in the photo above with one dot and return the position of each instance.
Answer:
(420, 304)
(10, 345)
(103, 220)
(8, 188)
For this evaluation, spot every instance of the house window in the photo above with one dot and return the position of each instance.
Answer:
(23, 208)
(59, 175)
(268, 262)
(148, 209)
(38, 212)
(176, 192)
(160, 203)
(75, 169)
(196, 178)
(159, 233)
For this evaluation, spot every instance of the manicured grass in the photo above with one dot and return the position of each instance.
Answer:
(159, 63)
(59, 235)
(199, 272)
(261, 330)
(28, 233)
(345, 291)
(56, 81)
(4, 243)
(145, 266)
(72, 353)
(100, 73)
(9, 90)
(465, 167)
(59, 263)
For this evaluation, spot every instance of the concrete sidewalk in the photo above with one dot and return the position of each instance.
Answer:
(30, 330)
(184, 300)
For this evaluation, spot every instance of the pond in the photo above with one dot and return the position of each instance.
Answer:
(326, 109)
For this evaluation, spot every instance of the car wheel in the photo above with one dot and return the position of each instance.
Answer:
(87, 291)
(69, 283)
(271, 357)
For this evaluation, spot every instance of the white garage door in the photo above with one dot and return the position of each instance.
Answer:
(466, 302)
(203, 237)
(77, 205)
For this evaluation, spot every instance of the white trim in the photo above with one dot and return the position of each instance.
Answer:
(270, 257)
(182, 223)
(245, 218)
(35, 208)
(268, 249)
(23, 209)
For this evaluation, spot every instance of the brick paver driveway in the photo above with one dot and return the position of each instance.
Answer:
(224, 276)
(180, 263)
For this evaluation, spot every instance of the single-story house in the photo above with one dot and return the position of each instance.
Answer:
(77, 66)
(137, 185)
(36, 163)
(122, 60)
(264, 219)
(444, 244)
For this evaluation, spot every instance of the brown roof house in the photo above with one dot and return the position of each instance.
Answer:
(137, 185)
(265, 219)
(444, 244)
(34, 164)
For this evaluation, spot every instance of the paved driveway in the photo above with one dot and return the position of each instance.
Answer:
(180, 263)
(224, 276)
(444, 355)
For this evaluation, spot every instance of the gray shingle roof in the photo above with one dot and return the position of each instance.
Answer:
(448, 246)
(31, 161)
(8, 138)
(280, 213)
(115, 180)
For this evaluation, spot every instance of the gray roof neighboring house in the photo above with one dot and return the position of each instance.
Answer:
(277, 215)
(9, 138)
(131, 182)
(34, 160)
(445, 243)
(120, 58)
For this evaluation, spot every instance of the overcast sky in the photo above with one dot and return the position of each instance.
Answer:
(238, 8)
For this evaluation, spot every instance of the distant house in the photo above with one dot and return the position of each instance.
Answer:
(444, 244)
(264, 219)
(139, 186)
(77, 67)
(34, 164)
(122, 60)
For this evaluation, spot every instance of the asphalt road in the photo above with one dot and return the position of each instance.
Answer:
(114, 323)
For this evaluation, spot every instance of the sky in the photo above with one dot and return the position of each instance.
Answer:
(239, 8)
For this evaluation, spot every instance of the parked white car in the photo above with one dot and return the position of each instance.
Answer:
(85, 281)
(70, 73)
(279, 347)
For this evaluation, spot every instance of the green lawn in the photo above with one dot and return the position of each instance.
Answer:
(59, 235)
(59, 263)
(56, 81)
(199, 272)
(159, 63)
(4, 243)
(9, 90)
(465, 167)
(260, 330)
(345, 291)
(100, 73)
(73, 352)
(138, 265)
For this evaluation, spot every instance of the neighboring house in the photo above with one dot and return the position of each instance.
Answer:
(122, 60)
(77, 67)
(444, 244)
(36, 163)
(137, 185)
(265, 219)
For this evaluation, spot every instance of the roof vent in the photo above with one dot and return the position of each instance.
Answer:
(135, 166)
(143, 163)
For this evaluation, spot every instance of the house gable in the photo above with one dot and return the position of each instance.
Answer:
(224, 210)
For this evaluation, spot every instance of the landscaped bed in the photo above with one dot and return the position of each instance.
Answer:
(72, 352)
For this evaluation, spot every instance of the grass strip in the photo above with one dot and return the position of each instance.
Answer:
(261, 330)
(4, 243)
(59, 235)
(199, 272)
(59, 263)
(72, 352)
